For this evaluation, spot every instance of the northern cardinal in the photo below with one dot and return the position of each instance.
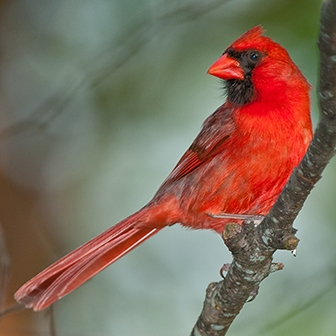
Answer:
(236, 167)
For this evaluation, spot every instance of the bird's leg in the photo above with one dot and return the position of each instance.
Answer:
(256, 219)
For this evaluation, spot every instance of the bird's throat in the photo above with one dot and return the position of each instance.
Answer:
(240, 92)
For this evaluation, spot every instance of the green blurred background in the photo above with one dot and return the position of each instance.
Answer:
(98, 100)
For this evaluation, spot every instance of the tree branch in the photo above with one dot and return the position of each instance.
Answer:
(253, 247)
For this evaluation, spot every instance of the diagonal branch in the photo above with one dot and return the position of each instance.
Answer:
(253, 247)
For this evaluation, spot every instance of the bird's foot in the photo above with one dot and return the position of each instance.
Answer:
(253, 294)
(255, 219)
(255, 290)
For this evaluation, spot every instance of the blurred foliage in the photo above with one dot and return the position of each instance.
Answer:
(98, 101)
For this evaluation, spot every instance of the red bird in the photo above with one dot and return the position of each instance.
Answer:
(237, 165)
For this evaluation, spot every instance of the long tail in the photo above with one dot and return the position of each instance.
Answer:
(71, 271)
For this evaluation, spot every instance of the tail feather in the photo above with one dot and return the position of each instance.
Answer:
(80, 265)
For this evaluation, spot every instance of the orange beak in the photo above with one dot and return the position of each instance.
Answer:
(226, 68)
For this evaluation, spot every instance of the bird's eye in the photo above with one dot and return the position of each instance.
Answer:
(255, 56)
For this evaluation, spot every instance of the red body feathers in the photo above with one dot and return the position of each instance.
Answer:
(238, 164)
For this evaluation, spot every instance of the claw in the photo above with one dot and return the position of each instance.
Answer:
(253, 294)
(224, 268)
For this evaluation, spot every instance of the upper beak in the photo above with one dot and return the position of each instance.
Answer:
(226, 68)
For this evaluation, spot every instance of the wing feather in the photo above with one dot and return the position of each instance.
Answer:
(210, 142)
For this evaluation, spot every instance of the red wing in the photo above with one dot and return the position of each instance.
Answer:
(211, 141)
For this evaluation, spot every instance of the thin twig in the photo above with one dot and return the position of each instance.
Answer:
(109, 61)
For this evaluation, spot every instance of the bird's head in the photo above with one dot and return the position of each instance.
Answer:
(254, 64)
